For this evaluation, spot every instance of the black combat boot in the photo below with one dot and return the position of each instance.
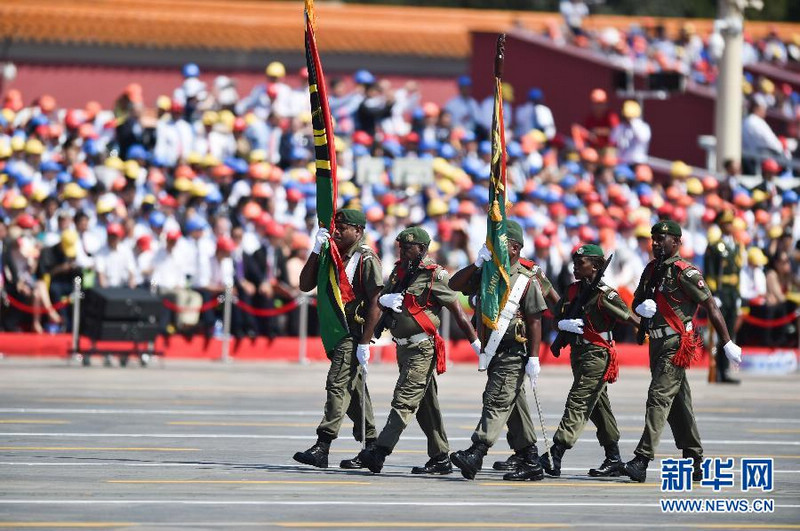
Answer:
(636, 468)
(439, 465)
(551, 462)
(530, 469)
(512, 463)
(610, 468)
(355, 462)
(373, 458)
(470, 461)
(697, 465)
(316, 456)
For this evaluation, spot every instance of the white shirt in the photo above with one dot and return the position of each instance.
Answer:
(632, 140)
(534, 116)
(168, 269)
(118, 266)
(758, 135)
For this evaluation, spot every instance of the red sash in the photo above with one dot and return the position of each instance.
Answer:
(594, 337)
(418, 314)
(690, 341)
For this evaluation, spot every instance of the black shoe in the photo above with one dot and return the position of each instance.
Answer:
(526, 472)
(697, 466)
(316, 456)
(373, 458)
(551, 461)
(355, 462)
(440, 465)
(512, 463)
(470, 461)
(610, 468)
(636, 468)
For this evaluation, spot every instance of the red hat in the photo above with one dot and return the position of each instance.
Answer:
(115, 229)
(294, 195)
(541, 242)
(168, 201)
(174, 235)
(239, 125)
(26, 221)
(769, 165)
(362, 137)
(550, 228)
(224, 243)
(587, 234)
(144, 242)
(275, 229)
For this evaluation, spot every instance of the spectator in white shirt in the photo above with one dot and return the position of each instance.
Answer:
(116, 266)
(632, 135)
(757, 136)
(534, 114)
(464, 108)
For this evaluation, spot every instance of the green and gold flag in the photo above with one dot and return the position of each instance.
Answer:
(495, 279)
(333, 288)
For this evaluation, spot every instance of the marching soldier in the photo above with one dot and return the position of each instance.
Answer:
(673, 344)
(594, 364)
(723, 263)
(414, 320)
(344, 382)
(517, 354)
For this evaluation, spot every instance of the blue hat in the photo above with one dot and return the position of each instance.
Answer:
(425, 145)
(364, 77)
(190, 70)
(359, 150)
(237, 165)
(39, 119)
(464, 81)
(49, 165)
(137, 151)
(311, 204)
(472, 166)
(568, 181)
(514, 150)
(195, 223)
(446, 151)
(624, 171)
(90, 147)
(484, 173)
(84, 183)
(214, 196)
(540, 193)
(535, 94)
(63, 177)
(479, 195)
(571, 222)
(551, 196)
(393, 147)
(157, 219)
(572, 202)
(485, 147)
(469, 136)
(790, 197)
(417, 114)
(298, 153)
(573, 167)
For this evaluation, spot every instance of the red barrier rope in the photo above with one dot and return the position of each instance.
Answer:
(771, 323)
(169, 305)
(21, 306)
(266, 312)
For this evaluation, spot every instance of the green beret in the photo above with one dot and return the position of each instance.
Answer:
(666, 226)
(514, 231)
(589, 249)
(351, 216)
(414, 235)
(726, 216)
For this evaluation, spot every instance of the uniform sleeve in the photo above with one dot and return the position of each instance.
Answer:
(638, 295)
(693, 284)
(388, 286)
(473, 285)
(533, 302)
(372, 277)
(613, 304)
(440, 291)
(544, 282)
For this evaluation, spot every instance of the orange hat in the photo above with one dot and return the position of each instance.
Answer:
(644, 173)
(762, 217)
(221, 170)
(300, 241)
(467, 208)
(251, 211)
(261, 190)
(589, 154)
(184, 171)
(599, 96)
(596, 209)
(710, 183)
(47, 103)
(259, 170)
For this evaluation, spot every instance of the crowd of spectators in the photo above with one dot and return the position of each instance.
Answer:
(206, 188)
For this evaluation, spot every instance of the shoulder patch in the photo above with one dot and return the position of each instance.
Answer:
(442, 275)
(692, 272)
(612, 295)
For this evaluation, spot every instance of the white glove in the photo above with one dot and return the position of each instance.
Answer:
(647, 308)
(476, 346)
(532, 369)
(484, 255)
(393, 301)
(733, 352)
(571, 325)
(362, 353)
(322, 236)
(718, 302)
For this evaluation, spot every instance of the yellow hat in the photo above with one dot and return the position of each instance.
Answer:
(400, 211)
(631, 110)
(209, 161)
(714, 234)
(437, 207)
(8, 114)
(227, 118)
(182, 184)
(694, 186)
(304, 117)
(210, 118)
(163, 103)
(5, 150)
(34, 146)
(275, 69)
(250, 118)
(680, 169)
(642, 231)
(115, 163)
(348, 188)
(39, 194)
(766, 86)
(73, 191)
(756, 256)
(447, 187)
(194, 158)
(18, 203)
(258, 155)
(739, 224)
(17, 143)
(105, 205)
(759, 196)
(149, 199)
(775, 232)
(69, 243)
(132, 169)
(199, 189)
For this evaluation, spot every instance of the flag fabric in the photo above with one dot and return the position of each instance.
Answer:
(333, 288)
(495, 278)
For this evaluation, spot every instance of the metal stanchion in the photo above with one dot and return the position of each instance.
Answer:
(446, 334)
(76, 321)
(151, 345)
(302, 353)
(226, 324)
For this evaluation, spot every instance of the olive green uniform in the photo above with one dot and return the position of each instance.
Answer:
(415, 392)
(669, 398)
(344, 381)
(588, 396)
(722, 264)
(504, 400)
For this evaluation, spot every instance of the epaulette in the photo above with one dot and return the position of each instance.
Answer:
(528, 264)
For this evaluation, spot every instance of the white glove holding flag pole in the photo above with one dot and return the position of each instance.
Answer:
(484, 255)
(647, 308)
(532, 369)
(394, 301)
(571, 325)
(476, 347)
(319, 240)
(733, 352)
(362, 354)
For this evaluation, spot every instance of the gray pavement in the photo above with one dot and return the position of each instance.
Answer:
(202, 445)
